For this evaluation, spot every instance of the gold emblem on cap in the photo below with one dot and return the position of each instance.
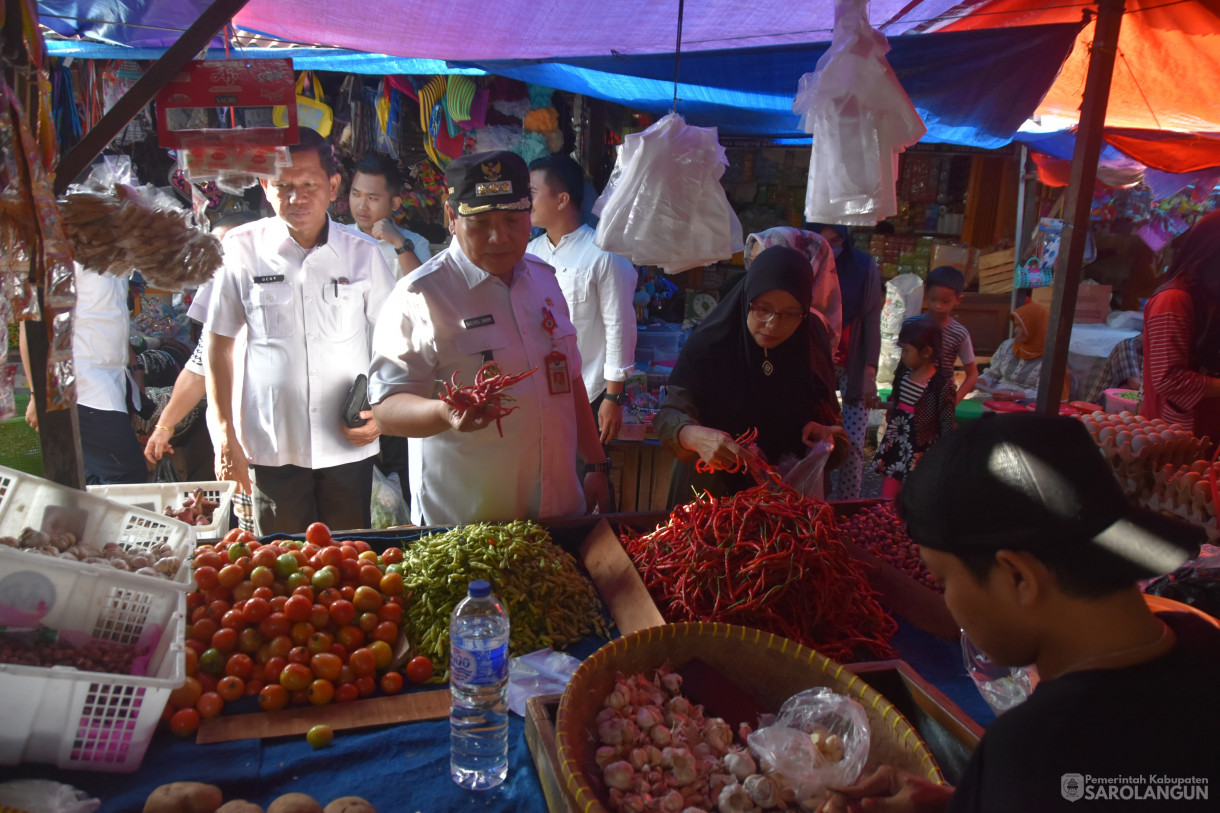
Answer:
(483, 190)
(491, 170)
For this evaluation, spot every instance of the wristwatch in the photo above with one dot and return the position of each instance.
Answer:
(603, 467)
(616, 397)
(406, 246)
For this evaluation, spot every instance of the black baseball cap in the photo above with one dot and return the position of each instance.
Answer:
(1035, 482)
(487, 181)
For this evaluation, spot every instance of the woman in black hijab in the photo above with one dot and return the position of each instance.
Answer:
(757, 362)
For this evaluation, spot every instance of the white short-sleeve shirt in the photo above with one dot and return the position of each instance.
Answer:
(600, 291)
(449, 316)
(308, 316)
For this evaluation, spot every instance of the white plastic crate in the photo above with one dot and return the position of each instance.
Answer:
(90, 720)
(156, 496)
(31, 502)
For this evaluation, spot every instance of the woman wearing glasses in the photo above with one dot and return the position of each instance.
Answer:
(757, 362)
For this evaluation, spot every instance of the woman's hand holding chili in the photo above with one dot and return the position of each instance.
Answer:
(715, 448)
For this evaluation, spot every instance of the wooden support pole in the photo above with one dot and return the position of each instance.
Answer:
(195, 39)
(1079, 201)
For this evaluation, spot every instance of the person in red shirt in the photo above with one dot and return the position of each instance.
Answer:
(1182, 336)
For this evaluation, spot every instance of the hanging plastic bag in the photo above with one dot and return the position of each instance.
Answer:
(903, 299)
(538, 673)
(1002, 687)
(860, 119)
(389, 507)
(808, 475)
(664, 204)
(165, 471)
(819, 740)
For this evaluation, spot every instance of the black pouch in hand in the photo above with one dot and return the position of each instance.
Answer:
(357, 401)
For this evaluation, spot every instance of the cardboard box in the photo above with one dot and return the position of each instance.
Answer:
(1092, 302)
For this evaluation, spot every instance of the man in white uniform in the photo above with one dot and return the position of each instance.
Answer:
(484, 300)
(376, 192)
(598, 286)
(307, 292)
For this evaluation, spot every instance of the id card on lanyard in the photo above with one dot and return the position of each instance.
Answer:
(557, 379)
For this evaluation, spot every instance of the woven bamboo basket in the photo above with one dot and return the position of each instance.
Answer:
(767, 667)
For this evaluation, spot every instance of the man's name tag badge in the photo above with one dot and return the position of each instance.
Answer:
(269, 278)
(478, 321)
(557, 379)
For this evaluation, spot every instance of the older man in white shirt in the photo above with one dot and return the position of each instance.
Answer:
(598, 286)
(308, 293)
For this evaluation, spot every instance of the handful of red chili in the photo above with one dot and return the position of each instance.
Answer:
(487, 393)
(882, 532)
(764, 558)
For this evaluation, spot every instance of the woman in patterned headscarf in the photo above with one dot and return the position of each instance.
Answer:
(826, 301)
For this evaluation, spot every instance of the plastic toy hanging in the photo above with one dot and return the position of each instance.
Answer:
(860, 119)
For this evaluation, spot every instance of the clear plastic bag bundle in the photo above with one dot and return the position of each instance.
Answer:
(860, 119)
(664, 204)
(819, 740)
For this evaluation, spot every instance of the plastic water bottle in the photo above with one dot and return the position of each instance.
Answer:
(478, 681)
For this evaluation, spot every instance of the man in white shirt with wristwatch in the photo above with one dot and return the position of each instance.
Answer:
(375, 194)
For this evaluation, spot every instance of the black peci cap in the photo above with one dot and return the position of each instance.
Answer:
(486, 181)
(1035, 482)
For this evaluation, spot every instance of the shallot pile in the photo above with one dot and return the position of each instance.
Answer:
(96, 656)
(661, 753)
(765, 558)
(882, 532)
(197, 509)
(158, 560)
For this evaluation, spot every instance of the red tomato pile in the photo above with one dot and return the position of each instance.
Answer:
(291, 622)
(882, 532)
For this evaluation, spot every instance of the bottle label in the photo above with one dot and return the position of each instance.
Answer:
(478, 667)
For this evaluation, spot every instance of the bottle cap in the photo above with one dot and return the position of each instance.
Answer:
(480, 588)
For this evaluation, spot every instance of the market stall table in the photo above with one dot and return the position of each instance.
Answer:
(404, 767)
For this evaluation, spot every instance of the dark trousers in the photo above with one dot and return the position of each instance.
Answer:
(109, 447)
(288, 498)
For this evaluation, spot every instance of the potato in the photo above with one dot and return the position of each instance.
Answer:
(295, 803)
(239, 806)
(184, 797)
(349, 804)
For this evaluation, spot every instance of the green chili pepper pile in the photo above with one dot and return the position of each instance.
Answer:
(549, 601)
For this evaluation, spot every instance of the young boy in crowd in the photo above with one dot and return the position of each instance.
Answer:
(1039, 552)
(942, 293)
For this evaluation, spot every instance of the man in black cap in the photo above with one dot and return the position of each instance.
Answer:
(1039, 552)
(483, 302)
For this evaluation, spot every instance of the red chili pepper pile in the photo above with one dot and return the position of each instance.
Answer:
(882, 532)
(487, 392)
(764, 558)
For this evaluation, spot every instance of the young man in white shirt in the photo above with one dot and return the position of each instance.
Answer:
(598, 286)
(375, 194)
(307, 293)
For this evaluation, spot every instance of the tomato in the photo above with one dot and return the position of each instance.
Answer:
(310, 549)
(318, 533)
(366, 685)
(230, 688)
(225, 640)
(384, 654)
(368, 622)
(242, 591)
(319, 616)
(203, 629)
(321, 692)
(298, 608)
(301, 632)
(370, 575)
(331, 556)
(255, 610)
(186, 694)
(254, 685)
(274, 668)
(234, 619)
(349, 569)
(391, 556)
(194, 600)
(347, 591)
(329, 596)
(219, 605)
(325, 577)
(386, 631)
(207, 557)
(326, 665)
(239, 664)
(237, 550)
(360, 545)
(264, 557)
(192, 660)
(419, 669)
(296, 677)
(391, 682)
(209, 704)
(262, 576)
(273, 697)
(231, 536)
(275, 625)
(390, 584)
(319, 642)
(322, 735)
(207, 682)
(249, 640)
(350, 637)
(342, 612)
(299, 654)
(367, 598)
(340, 650)
(265, 593)
(368, 556)
(198, 647)
(346, 693)
(206, 577)
(230, 576)
(305, 591)
(390, 612)
(185, 722)
(363, 661)
(279, 646)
